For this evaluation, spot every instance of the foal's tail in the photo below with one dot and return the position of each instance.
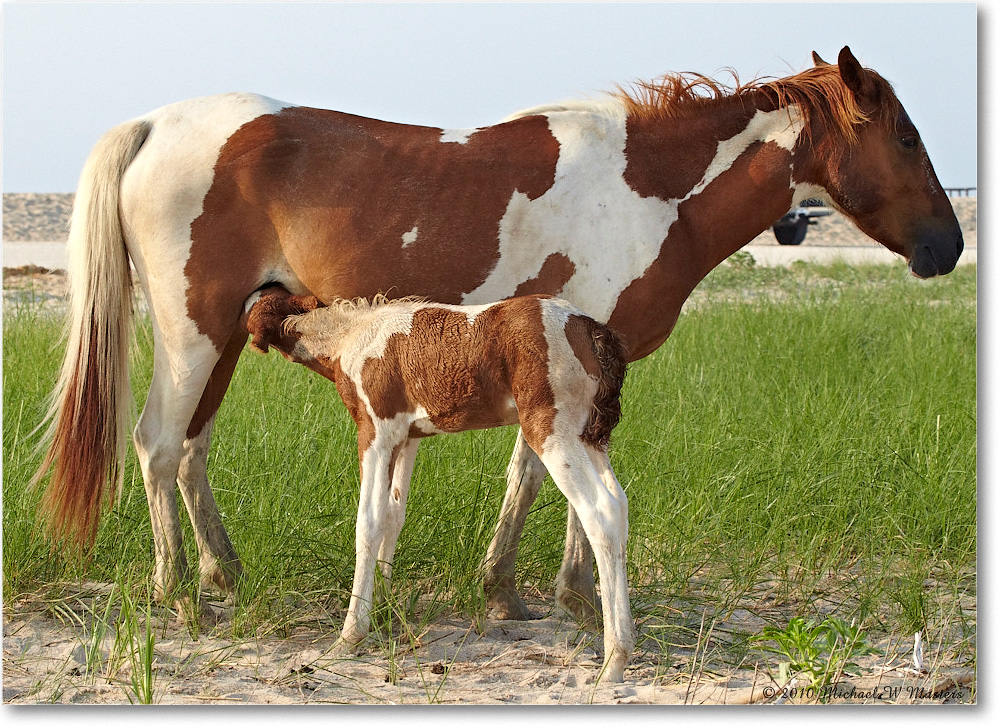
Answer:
(92, 402)
(612, 357)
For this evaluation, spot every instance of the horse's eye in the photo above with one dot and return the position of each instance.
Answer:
(909, 141)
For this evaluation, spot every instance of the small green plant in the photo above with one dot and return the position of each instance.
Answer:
(817, 652)
(136, 640)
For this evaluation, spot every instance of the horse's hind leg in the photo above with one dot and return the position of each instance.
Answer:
(180, 374)
(525, 474)
(219, 564)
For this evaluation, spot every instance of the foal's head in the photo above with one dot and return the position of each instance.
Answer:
(867, 154)
(264, 321)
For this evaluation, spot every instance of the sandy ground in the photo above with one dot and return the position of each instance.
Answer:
(542, 661)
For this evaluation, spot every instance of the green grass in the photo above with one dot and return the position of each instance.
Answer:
(806, 434)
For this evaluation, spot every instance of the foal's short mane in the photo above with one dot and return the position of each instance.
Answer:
(342, 316)
(818, 90)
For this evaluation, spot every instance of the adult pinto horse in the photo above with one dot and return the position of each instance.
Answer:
(621, 205)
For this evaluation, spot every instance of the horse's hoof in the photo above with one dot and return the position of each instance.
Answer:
(586, 611)
(198, 612)
(503, 604)
(219, 577)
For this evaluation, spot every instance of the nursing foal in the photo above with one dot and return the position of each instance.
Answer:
(407, 369)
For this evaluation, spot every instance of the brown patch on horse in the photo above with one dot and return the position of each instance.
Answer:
(555, 272)
(218, 383)
(442, 366)
(356, 206)
(355, 407)
(448, 368)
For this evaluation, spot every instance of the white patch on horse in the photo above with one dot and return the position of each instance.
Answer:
(572, 408)
(457, 136)
(609, 251)
(572, 218)
(410, 237)
(370, 343)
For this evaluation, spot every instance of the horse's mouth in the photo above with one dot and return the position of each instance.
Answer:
(928, 260)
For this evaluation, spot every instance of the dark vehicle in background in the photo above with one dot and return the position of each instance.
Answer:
(791, 228)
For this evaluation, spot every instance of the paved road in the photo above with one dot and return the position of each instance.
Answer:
(53, 255)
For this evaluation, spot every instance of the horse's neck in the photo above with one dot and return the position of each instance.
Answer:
(728, 188)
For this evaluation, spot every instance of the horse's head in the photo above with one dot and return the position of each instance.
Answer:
(876, 171)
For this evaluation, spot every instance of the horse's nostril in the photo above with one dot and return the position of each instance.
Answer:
(961, 245)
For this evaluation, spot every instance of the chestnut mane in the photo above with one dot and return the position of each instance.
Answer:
(818, 90)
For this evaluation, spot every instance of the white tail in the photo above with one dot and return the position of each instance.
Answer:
(92, 401)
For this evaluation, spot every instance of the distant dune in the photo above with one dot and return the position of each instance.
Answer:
(45, 217)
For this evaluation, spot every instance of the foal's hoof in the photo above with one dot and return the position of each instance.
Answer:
(346, 648)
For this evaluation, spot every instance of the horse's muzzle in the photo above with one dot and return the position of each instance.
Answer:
(936, 255)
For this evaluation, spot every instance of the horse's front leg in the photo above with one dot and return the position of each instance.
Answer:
(525, 474)
(369, 534)
(576, 591)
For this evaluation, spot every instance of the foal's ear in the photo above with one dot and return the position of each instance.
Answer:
(855, 77)
(817, 61)
(302, 304)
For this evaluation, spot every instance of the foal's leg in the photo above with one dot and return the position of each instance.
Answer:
(373, 507)
(402, 470)
(525, 474)
(603, 512)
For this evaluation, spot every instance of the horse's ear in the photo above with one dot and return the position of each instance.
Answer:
(855, 77)
(817, 61)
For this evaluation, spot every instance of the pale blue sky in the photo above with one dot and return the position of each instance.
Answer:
(71, 71)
